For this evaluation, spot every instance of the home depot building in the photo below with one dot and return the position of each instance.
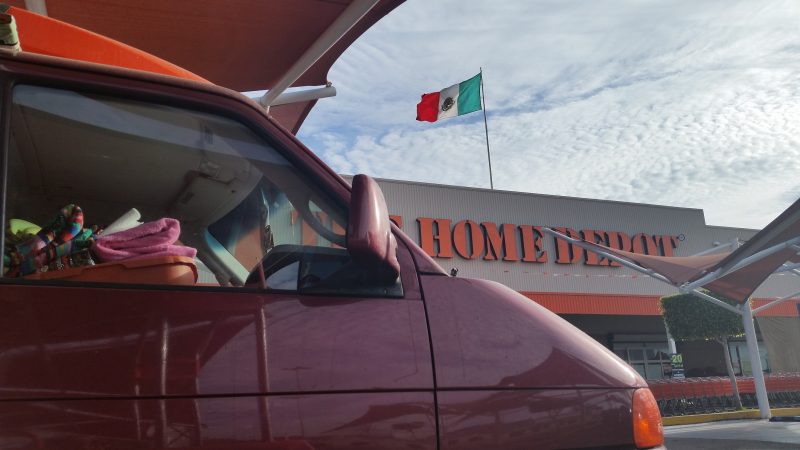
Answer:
(497, 235)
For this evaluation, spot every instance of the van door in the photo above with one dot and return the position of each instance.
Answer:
(232, 316)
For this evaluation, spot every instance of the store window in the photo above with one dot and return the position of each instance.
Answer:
(104, 189)
(650, 359)
(740, 358)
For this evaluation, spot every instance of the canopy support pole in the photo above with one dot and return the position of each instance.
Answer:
(755, 361)
(746, 312)
(37, 6)
(716, 249)
(305, 95)
(776, 302)
(713, 300)
(354, 12)
(790, 268)
(673, 349)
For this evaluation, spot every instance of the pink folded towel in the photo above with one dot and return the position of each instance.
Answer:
(144, 241)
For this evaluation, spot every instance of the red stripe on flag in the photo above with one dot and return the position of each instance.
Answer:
(428, 107)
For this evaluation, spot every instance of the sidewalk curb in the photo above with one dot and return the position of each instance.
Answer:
(731, 415)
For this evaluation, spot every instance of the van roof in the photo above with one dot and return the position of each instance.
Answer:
(47, 36)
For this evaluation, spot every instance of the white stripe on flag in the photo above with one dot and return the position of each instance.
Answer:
(451, 93)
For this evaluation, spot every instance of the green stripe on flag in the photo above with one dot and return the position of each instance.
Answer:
(469, 95)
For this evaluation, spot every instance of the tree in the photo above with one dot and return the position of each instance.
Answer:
(690, 318)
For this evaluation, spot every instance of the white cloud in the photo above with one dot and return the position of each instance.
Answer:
(692, 103)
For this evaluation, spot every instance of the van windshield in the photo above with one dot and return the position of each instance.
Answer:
(203, 186)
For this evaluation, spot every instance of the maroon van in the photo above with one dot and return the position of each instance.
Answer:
(262, 302)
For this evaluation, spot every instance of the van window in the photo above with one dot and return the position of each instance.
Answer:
(103, 189)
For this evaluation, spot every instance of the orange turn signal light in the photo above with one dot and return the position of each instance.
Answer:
(647, 428)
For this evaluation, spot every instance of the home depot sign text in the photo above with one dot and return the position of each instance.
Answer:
(442, 238)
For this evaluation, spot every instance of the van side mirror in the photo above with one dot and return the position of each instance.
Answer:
(370, 241)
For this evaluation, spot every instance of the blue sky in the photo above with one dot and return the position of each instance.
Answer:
(693, 103)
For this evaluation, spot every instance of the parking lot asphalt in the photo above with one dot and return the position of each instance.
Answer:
(734, 434)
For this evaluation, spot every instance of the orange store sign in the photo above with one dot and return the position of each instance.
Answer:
(441, 238)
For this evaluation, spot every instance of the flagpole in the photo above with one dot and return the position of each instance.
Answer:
(486, 129)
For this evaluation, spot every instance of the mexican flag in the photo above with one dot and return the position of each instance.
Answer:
(458, 99)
